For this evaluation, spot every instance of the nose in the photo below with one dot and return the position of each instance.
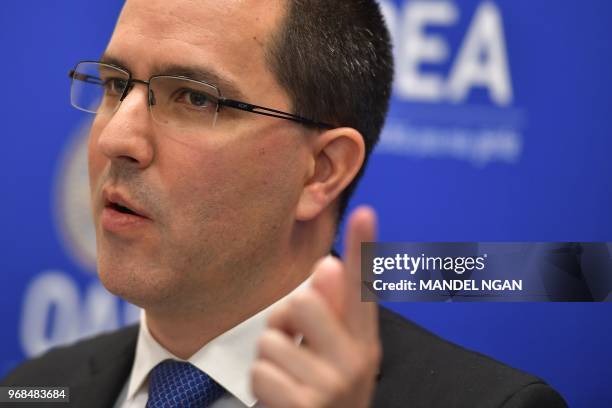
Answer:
(126, 137)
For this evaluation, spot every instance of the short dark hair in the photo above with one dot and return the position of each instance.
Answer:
(335, 60)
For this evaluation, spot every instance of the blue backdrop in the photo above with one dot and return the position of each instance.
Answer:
(499, 130)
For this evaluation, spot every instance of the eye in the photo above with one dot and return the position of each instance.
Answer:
(115, 86)
(193, 98)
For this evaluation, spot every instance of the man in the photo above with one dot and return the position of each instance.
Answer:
(211, 217)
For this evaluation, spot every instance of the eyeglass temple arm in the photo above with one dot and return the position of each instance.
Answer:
(84, 77)
(260, 110)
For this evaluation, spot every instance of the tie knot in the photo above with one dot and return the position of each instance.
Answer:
(181, 384)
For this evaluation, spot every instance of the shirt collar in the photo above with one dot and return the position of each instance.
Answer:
(227, 358)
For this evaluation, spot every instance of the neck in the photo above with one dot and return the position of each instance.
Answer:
(185, 329)
(185, 332)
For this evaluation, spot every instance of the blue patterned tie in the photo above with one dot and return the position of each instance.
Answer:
(178, 384)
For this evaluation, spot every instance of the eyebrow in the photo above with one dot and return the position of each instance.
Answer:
(226, 87)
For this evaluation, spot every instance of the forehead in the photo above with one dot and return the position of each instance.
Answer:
(229, 36)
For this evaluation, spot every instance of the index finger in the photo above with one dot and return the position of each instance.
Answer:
(360, 317)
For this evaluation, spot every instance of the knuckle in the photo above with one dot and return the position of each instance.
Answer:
(360, 368)
(316, 399)
(376, 353)
(301, 400)
(336, 384)
(365, 363)
(277, 314)
(271, 342)
(257, 371)
(370, 356)
(265, 342)
(301, 299)
(341, 385)
(301, 303)
(359, 359)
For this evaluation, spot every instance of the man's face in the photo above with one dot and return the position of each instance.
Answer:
(220, 200)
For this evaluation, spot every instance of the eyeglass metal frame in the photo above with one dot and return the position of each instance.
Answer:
(220, 100)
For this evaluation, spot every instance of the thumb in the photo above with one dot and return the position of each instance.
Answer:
(328, 281)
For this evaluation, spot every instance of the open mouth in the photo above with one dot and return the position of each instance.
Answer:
(121, 209)
(118, 203)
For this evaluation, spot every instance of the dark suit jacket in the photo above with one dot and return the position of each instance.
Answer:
(418, 370)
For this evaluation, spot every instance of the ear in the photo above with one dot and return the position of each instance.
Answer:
(338, 155)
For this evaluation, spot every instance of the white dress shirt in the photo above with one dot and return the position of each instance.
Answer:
(227, 359)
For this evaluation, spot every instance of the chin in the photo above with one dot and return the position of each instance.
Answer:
(133, 284)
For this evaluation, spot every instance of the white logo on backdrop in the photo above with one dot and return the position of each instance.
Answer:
(439, 122)
(57, 307)
(72, 201)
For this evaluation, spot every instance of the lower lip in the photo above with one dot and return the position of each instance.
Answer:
(115, 221)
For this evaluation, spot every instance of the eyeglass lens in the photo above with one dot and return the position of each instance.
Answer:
(174, 101)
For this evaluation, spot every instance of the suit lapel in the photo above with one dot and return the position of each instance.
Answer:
(108, 371)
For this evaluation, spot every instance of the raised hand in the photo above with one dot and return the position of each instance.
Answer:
(336, 363)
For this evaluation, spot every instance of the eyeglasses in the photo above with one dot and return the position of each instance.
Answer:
(176, 101)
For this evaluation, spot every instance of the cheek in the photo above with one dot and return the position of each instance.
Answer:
(233, 185)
